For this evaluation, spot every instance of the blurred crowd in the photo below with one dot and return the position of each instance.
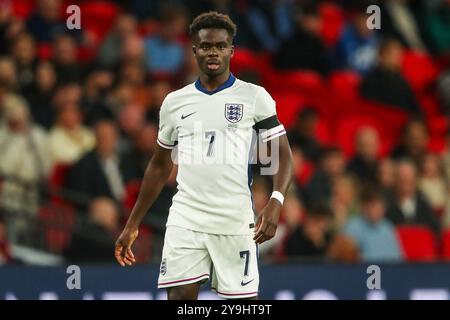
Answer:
(79, 116)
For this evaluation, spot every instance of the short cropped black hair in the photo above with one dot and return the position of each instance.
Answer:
(212, 20)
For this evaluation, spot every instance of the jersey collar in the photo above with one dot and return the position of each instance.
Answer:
(230, 81)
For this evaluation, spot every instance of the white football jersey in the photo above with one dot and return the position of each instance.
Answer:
(213, 136)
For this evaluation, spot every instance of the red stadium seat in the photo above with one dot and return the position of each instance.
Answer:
(437, 144)
(333, 21)
(288, 106)
(23, 8)
(244, 60)
(345, 84)
(57, 181)
(429, 104)
(58, 222)
(59, 174)
(304, 173)
(419, 70)
(131, 194)
(386, 120)
(438, 125)
(98, 17)
(44, 51)
(418, 243)
(446, 244)
(348, 128)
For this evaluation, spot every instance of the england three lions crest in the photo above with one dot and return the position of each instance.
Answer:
(234, 112)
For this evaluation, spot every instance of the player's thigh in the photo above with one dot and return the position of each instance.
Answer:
(184, 292)
(235, 266)
(185, 259)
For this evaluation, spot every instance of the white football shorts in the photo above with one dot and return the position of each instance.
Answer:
(230, 261)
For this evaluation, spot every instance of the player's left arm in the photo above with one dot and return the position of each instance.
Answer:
(267, 223)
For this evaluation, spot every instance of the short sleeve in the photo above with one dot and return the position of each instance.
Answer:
(266, 121)
(166, 134)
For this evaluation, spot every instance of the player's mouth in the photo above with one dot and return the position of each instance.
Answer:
(213, 65)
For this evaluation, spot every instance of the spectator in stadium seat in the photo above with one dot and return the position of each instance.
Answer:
(386, 84)
(133, 73)
(158, 90)
(64, 56)
(303, 134)
(94, 103)
(40, 94)
(103, 171)
(25, 160)
(132, 51)
(364, 163)
(67, 93)
(69, 139)
(5, 255)
(8, 75)
(344, 202)
(109, 52)
(93, 240)
(304, 50)
(443, 83)
(10, 27)
(432, 182)
(358, 45)
(398, 20)
(331, 166)
(385, 178)
(407, 205)
(142, 147)
(312, 238)
(46, 22)
(413, 143)
(23, 52)
(131, 122)
(373, 233)
(438, 27)
(164, 51)
(446, 157)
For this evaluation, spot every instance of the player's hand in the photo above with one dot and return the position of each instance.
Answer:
(266, 226)
(122, 252)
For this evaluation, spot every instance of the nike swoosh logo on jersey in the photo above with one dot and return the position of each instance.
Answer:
(246, 283)
(185, 116)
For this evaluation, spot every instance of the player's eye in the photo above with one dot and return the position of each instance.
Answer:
(205, 47)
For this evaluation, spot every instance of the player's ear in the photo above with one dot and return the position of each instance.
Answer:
(232, 51)
(194, 49)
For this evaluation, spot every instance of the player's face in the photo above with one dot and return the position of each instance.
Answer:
(213, 51)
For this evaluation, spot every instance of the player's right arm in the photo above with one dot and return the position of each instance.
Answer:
(155, 177)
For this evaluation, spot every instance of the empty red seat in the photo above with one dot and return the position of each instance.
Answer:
(333, 21)
(304, 172)
(23, 8)
(57, 223)
(131, 193)
(44, 51)
(98, 17)
(418, 243)
(288, 106)
(345, 84)
(59, 174)
(419, 70)
(244, 60)
(57, 181)
(446, 244)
